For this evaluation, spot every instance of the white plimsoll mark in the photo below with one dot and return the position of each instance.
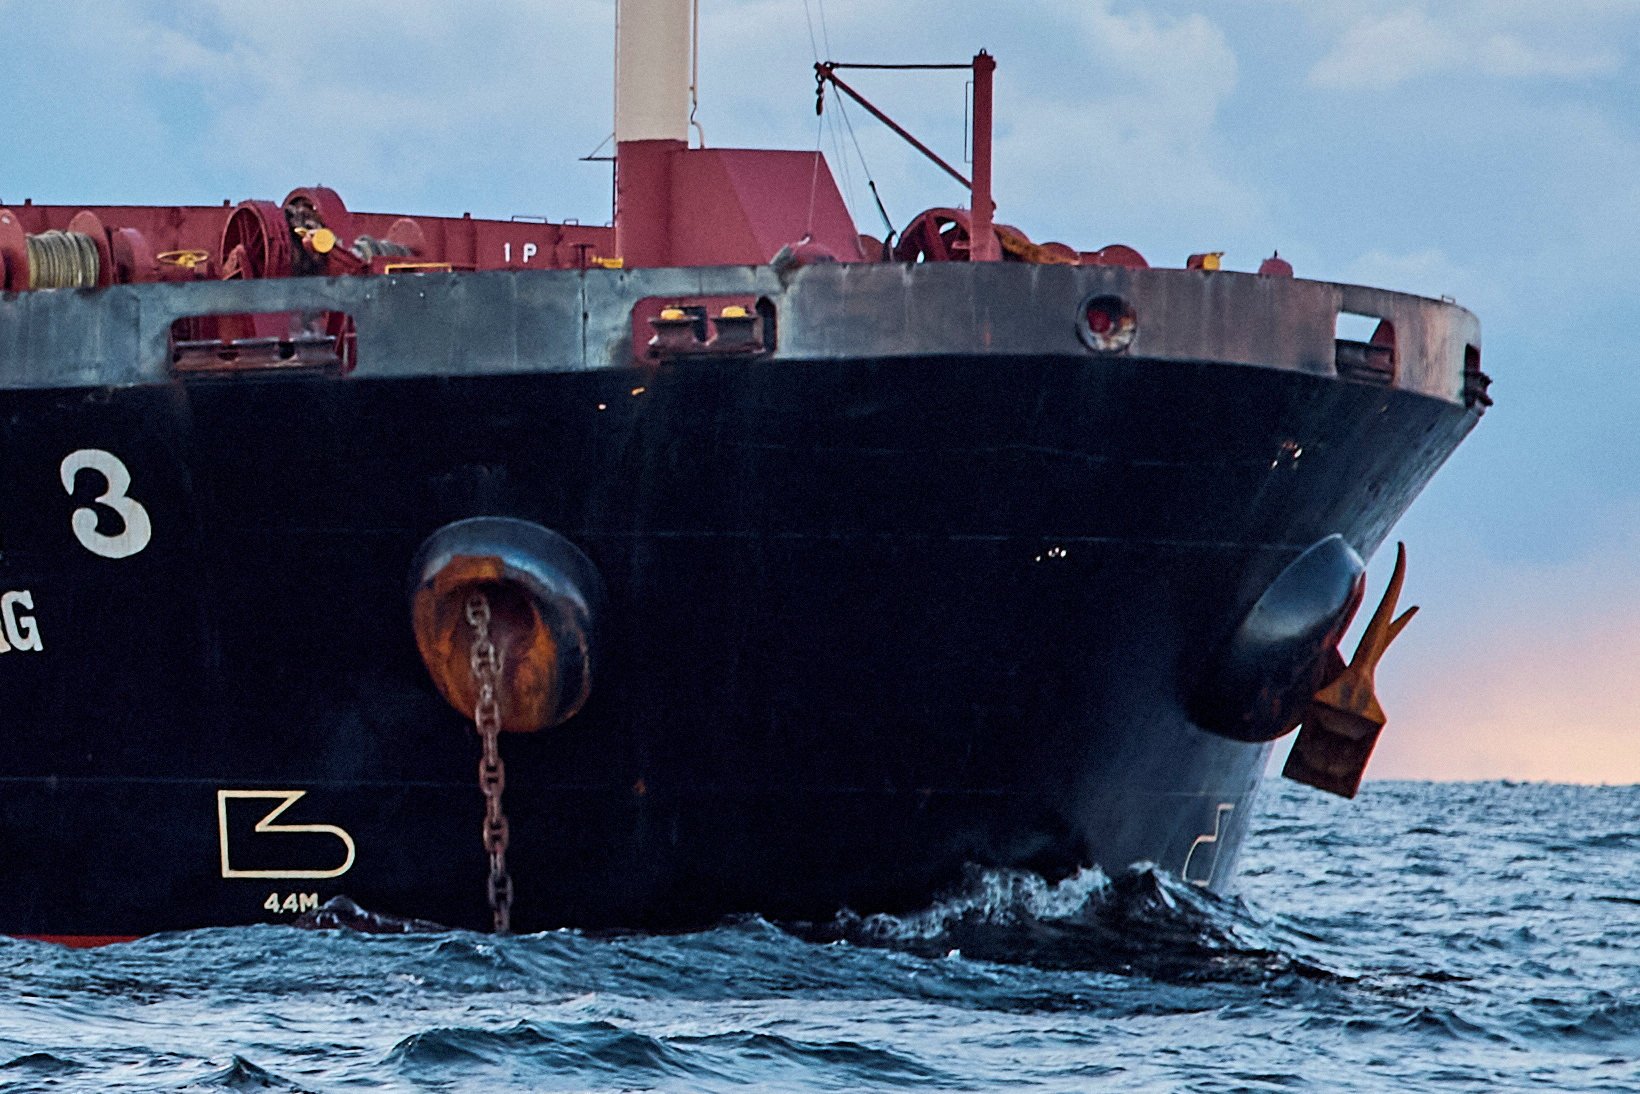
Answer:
(135, 530)
(21, 631)
(1224, 810)
(289, 798)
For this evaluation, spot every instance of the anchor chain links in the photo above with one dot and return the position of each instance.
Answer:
(486, 662)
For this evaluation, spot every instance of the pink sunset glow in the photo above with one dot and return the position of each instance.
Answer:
(1520, 671)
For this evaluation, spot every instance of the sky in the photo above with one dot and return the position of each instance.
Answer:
(1487, 150)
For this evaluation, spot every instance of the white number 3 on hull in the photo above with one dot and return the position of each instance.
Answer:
(135, 531)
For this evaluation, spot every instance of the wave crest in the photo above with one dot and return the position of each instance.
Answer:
(1143, 921)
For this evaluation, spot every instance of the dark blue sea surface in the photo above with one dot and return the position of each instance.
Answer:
(1479, 936)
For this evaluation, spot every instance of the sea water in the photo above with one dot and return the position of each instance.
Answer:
(1481, 936)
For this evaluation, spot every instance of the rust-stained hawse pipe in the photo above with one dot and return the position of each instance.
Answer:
(545, 598)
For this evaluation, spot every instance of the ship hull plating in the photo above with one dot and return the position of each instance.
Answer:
(869, 621)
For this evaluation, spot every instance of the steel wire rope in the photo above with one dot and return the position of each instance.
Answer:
(836, 130)
(819, 128)
(842, 163)
(842, 155)
(694, 72)
(865, 168)
(62, 260)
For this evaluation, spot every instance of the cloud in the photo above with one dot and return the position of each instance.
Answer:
(1108, 113)
(479, 105)
(1129, 134)
(393, 97)
(1427, 271)
(1380, 50)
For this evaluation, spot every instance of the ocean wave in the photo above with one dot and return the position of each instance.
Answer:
(241, 1074)
(39, 1064)
(845, 1064)
(1603, 1017)
(341, 913)
(553, 1047)
(1143, 921)
(535, 1049)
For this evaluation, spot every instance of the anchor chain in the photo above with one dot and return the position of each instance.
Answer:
(486, 662)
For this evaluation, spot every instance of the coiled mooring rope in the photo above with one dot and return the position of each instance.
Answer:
(62, 260)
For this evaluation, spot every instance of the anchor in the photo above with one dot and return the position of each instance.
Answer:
(1343, 719)
(505, 615)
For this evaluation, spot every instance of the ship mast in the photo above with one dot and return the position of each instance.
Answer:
(653, 45)
(652, 69)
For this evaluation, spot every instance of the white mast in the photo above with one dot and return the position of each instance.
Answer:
(652, 70)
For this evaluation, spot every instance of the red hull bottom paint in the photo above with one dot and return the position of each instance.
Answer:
(79, 941)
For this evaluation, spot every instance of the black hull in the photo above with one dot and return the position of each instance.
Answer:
(870, 620)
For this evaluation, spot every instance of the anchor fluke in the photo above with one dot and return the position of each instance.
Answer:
(1343, 719)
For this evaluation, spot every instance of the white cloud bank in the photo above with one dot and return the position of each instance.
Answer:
(1380, 50)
